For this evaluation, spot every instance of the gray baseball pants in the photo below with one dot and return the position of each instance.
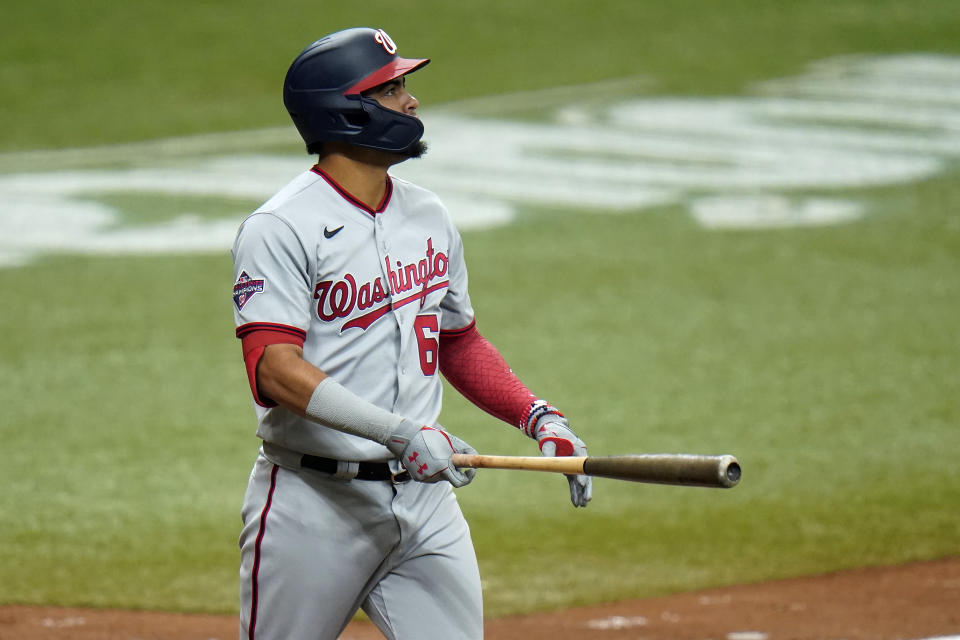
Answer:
(315, 549)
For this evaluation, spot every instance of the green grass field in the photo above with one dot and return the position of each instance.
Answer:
(825, 358)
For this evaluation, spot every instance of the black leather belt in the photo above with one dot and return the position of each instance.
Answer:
(365, 470)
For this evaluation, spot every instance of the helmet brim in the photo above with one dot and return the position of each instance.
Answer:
(390, 71)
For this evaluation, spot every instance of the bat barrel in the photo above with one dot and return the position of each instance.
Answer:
(675, 469)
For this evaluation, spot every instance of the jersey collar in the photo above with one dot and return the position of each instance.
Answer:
(346, 195)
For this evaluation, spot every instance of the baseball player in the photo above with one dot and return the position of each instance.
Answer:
(350, 298)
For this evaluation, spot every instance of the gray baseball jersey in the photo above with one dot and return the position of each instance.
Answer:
(368, 291)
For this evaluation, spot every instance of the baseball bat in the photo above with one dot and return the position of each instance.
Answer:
(660, 468)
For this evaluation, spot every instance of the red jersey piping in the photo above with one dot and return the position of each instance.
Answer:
(458, 332)
(250, 327)
(346, 195)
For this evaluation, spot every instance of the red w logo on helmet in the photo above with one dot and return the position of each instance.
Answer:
(385, 40)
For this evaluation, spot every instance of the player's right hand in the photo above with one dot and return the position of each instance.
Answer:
(425, 453)
(555, 438)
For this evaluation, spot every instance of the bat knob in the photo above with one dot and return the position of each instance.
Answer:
(729, 471)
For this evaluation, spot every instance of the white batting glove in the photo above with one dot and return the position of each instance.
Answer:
(555, 438)
(425, 453)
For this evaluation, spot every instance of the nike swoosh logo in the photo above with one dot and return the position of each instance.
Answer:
(328, 233)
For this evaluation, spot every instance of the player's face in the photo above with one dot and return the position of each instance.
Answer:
(394, 95)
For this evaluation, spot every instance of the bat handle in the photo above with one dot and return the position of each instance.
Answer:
(571, 465)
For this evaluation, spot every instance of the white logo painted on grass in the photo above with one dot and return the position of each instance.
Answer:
(733, 162)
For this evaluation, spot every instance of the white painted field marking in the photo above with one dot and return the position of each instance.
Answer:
(617, 622)
(715, 600)
(744, 162)
(749, 212)
(63, 623)
(747, 635)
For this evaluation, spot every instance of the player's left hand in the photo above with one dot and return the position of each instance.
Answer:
(555, 438)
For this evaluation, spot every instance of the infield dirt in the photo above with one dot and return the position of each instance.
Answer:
(907, 602)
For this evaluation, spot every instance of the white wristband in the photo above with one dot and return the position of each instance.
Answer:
(332, 405)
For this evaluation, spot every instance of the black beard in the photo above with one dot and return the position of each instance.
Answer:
(417, 150)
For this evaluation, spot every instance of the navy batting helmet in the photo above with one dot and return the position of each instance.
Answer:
(322, 92)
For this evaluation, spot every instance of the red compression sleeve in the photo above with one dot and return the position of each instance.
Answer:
(476, 369)
(254, 339)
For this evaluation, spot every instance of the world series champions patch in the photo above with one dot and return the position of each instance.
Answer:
(245, 289)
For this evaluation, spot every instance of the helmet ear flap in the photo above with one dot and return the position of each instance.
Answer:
(355, 119)
(337, 123)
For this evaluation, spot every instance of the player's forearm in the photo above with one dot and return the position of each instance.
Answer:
(286, 378)
(292, 382)
(475, 368)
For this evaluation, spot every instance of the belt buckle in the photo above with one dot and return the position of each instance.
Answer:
(400, 477)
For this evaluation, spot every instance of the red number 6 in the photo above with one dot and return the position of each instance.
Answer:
(428, 343)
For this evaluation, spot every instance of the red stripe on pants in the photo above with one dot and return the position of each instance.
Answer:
(256, 552)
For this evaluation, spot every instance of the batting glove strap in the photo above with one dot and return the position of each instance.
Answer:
(401, 436)
(556, 430)
(535, 412)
